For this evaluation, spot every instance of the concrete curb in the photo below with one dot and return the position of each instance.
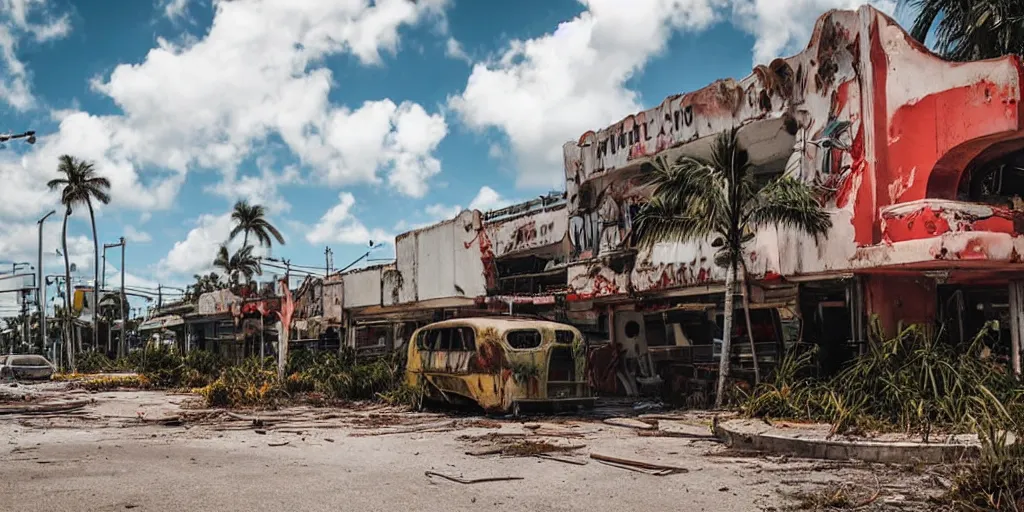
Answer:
(867, 451)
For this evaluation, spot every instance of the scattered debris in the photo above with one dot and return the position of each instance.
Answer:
(430, 427)
(681, 435)
(547, 456)
(631, 423)
(481, 453)
(527, 448)
(638, 464)
(260, 432)
(45, 408)
(473, 480)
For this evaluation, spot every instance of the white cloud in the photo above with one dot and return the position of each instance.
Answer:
(442, 212)
(352, 145)
(340, 225)
(544, 91)
(21, 19)
(485, 200)
(212, 103)
(453, 49)
(196, 252)
(263, 189)
(135, 236)
(539, 93)
(488, 199)
(782, 27)
(175, 9)
(19, 241)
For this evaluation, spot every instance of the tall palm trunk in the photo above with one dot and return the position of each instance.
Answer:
(724, 358)
(68, 338)
(745, 290)
(95, 280)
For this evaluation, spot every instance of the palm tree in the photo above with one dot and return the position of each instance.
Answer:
(80, 185)
(241, 263)
(967, 30)
(252, 219)
(694, 199)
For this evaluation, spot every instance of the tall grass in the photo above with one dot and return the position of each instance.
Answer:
(911, 382)
(917, 383)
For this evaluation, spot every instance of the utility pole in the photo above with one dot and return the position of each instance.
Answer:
(327, 260)
(124, 298)
(41, 285)
(159, 296)
(120, 243)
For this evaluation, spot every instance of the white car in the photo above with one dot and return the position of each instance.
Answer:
(25, 366)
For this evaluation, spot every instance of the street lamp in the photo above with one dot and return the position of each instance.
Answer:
(41, 286)
(29, 136)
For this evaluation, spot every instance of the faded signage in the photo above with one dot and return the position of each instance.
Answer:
(528, 232)
(678, 120)
(217, 302)
(334, 298)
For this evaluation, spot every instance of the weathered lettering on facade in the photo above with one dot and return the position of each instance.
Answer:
(528, 232)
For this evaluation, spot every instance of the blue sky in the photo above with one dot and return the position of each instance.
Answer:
(349, 120)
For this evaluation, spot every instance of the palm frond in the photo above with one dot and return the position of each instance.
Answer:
(787, 201)
(56, 183)
(658, 221)
(274, 233)
(969, 30)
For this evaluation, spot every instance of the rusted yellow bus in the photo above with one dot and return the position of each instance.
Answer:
(503, 364)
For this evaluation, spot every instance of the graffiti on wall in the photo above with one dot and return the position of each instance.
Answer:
(587, 281)
(604, 224)
(534, 231)
(672, 265)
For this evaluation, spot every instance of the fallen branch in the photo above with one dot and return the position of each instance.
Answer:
(481, 453)
(547, 456)
(637, 463)
(422, 428)
(45, 408)
(662, 472)
(630, 423)
(167, 421)
(681, 435)
(283, 443)
(473, 480)
(874, 497)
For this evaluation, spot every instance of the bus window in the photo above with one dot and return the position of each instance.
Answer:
(524, 339)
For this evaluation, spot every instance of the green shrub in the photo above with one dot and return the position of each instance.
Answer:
(250, 384)
(996, 482)
(201, 368)
(94, 362)
(911, 382)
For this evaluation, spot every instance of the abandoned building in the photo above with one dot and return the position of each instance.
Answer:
(921, 165)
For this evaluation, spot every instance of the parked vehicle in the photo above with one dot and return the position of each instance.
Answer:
(503, 364)
(28, 366)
